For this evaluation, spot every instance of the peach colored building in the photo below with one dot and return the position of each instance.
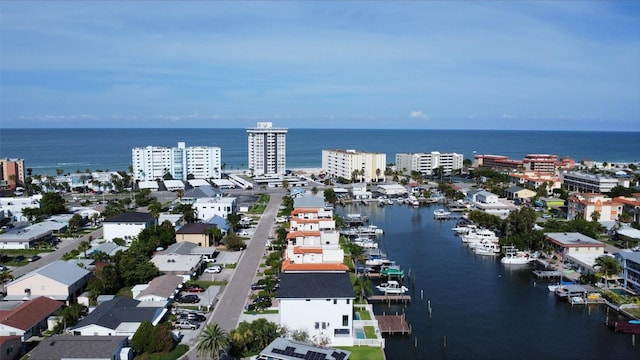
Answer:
(535, 179)
(631, 205)
(11, 173)
(585, 205)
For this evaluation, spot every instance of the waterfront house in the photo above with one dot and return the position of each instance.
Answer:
(313, 241)
(359, 192)
(488, 202)
(70, 347)
(576, 250)
(285, 349)
(120, 316)
(630, 261)
(127, 225)
(29, 318)
(392, 190)
(319, 303)
(59, 280)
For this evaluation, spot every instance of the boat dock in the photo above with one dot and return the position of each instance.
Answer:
(393, 324)
(390, 298)
(546, 274)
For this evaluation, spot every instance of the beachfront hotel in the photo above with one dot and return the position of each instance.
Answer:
(267, 149)
(427, 163)
(11, 173)
(345, 163)
(154, 162)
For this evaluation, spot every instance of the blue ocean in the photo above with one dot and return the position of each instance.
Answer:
(45, 150)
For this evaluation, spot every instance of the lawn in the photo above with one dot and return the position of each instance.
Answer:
(364, 315)
(369, 332)
(364, 352)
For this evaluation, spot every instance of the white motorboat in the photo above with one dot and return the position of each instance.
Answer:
(487, 249)
(476, 235)
(413, 201)
(519, 258)
(392, 287)
(365, 242)
(441, 213)
(463, 229)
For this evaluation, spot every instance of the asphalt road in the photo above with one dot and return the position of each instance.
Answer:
(230, 306)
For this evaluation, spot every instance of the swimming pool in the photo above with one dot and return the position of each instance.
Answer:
(359, 333)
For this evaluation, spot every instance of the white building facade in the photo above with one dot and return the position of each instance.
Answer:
(344, 163)
(206, 208)
(427, 163)
(589, 183)
(267, 149)
(153, 162)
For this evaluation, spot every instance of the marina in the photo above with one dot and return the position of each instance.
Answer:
(448, 285)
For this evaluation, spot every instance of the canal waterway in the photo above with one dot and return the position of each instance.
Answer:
(480, 308)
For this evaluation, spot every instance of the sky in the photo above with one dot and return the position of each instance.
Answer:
(540, 65)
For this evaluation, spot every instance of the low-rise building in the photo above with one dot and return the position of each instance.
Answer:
(127, 225)
(206, 208)
(577, 249)
(589, 183)
(70, 347)
(196, 233)
(285, 349)
(321, 304)
(29, 318)
(630, 261)
(58, 280)
(25, 238)
(519, 193)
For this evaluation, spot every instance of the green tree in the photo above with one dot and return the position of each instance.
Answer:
(608, 267)
(188, 213)
(161, 339)
(362, 286)
(252, 337)
(142, 337)
(314, 190)
(31, 213)
(285, 184)
(234, 242)
(75, 223)
(212, 341)
(83, 247)
(52, 204)
(233, 220)
(595, 216)
(330, 196)
(154, 208)
(143, 197)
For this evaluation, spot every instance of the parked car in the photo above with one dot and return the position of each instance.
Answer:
(189, 299)
(263, 302)
(216, 269)
(196, 317)
(195, 289)
(33, 258)
(18, 258)
(257, 286)
(186, 324)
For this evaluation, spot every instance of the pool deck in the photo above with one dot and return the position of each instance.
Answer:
(393, 324)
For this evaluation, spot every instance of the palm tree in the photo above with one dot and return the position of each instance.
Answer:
(362, 286)
(356, 254)
(211, 341)
(84, 246)
(154, 209)
(609, 267)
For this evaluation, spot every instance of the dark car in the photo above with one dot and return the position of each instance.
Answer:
(195, 317)
(195, 289)
(257, 286)
(33, 258)
(18, 258)
(189, 299)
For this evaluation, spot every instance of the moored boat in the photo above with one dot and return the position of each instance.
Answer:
(514, 257)
(441, 213)
(392, 287)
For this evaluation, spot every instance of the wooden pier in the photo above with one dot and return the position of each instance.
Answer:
(390, 298)
(546, 274)
(393, 324)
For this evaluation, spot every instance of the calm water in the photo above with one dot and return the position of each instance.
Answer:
(45, 150)
(484, 309)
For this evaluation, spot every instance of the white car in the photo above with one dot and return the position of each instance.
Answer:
(216, 269)
(243, 233)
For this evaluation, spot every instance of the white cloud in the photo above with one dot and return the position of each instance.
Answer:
(418, 115)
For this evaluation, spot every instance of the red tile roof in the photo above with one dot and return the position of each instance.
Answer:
(303, 211)
(307, 250)
(295, 234)
(29, 313)
(287, 265)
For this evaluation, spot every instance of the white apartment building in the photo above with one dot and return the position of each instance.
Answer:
(590, 183)
(153, 162)
(206, 208)
(427, 163)
(267, 149)
(343, 164)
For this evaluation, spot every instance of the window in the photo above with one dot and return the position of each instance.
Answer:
(324, 325)
(348, 301)
(345, 320)
(317, 326)
(335, 301)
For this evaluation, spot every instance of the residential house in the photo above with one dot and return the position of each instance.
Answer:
(161, 288)
(58, 280)
(359, 192)
(206, 208)
(285, 349)
(576, 249)
(391, 190)
(12, 206)
(185, 266)
(319, 303)
(221, 223)
(187, 248)
(488, 202)
(585, 205)
(127, 225)
(196, 233)
(120, 316)
(70, 347)
(518, 193)
(630, 261)
(25, 238)
(313, 241)
(29, 318)
(10, 347)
